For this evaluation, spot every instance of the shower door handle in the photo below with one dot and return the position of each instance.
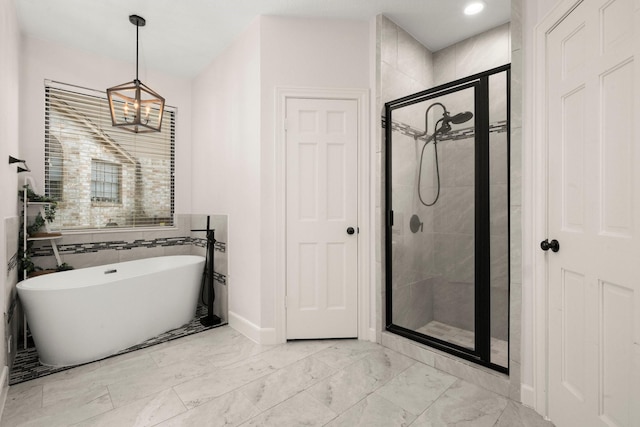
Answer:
(554, 245)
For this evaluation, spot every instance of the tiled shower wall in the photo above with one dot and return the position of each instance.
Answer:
(515, 203)
(406, 67)
(433, 269)
(402, 71)
(454, 216)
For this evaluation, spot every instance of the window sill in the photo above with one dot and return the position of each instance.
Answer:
(95, 204)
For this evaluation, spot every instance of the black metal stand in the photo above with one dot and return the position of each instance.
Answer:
(210, 319)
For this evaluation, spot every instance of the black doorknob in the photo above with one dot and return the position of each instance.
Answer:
(545, 245)
(350, 230)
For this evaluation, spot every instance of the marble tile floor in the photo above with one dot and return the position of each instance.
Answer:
(464, 338)
(27, 366)
(221, 378)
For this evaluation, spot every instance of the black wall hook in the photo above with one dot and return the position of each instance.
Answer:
(24, 163)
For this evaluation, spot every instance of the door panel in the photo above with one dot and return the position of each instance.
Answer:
(321, 156)
(573, 177)
(573, 334)
(594, 194)
(617, 354)
(616, 148)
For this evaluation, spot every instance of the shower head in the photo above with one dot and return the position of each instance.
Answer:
(458, 118)
(447, 119)
(444, 122)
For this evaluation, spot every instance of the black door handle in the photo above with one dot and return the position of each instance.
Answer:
(554, 245)
(350, 230)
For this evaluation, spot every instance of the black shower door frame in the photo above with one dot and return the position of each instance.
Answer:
(481, 354)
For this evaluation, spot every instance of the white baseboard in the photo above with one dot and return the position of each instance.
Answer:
(265, 336)
(528, 395)
(4, 382)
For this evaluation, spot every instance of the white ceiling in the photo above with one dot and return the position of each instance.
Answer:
(183, 36)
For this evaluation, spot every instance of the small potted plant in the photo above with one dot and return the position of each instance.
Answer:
(35, 230)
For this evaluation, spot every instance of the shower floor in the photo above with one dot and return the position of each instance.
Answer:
(464, 338)
(27, 366)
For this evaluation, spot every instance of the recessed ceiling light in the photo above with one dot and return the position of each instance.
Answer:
(474, 7)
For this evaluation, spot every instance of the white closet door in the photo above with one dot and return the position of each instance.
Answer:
(322, 194)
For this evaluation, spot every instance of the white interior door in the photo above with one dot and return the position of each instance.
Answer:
(594, 213)
(321, 200)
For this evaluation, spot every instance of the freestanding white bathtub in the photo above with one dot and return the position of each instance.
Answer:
(87, 314)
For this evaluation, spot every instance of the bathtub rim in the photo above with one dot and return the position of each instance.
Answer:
(43, 283)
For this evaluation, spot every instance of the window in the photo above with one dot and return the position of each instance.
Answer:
(104, 176)
(53, 169)
(105, 182)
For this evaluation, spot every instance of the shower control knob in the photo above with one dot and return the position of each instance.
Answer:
(350, 230)
(545, 245)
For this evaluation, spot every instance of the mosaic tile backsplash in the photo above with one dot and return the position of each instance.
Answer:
(87, 250)
(120, 245)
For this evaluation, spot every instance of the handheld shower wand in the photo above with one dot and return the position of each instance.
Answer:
(445, 127)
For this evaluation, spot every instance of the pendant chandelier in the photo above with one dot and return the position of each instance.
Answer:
(133, 105)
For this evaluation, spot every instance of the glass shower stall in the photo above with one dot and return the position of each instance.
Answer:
(447, 217)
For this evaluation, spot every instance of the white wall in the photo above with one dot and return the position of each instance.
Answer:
(313, 53)
(234, 139)
(45, 60)
(9, 104)
(226, 162)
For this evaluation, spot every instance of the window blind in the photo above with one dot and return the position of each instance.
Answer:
(79, 136)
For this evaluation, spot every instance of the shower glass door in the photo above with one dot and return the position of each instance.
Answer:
(444, 208)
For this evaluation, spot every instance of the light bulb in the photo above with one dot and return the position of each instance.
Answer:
(146, 111)
(474, 8)
(126, 109)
